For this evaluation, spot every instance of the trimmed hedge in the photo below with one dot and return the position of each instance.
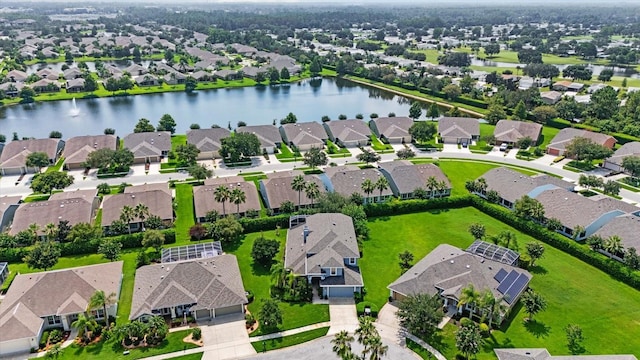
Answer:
(361, 305)
(13, 255)
(397, 207)
(614, 268)
(264, 224)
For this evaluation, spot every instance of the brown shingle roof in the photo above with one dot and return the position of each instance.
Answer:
(218, 284)
(627, 227)
(148, 187)
(393, 127)
(158, 202)
(148, 143)
(408, 177)
(349, 130)
(566, 135)
(628, 149)
(15, 153)
(73, 210)
(207, 139)
(347, 180)
(512, 131)
(512, 185)
(36, 295)
(267, 134)
(78, 148)
(457, 126)
(307, 133)
(204, 200)
(278, 188)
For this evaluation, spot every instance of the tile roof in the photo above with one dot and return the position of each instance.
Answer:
(393, 127)
(74, 210)
(148, 143)
(566, 135)
(349, 130)
(512, 131)
(458, 127)
(408, 177)
(15, 152)
(278, 188)
(267, 134)
(347, 180)
(78, 148)
(330, 240)
(309, 133)
(207, 139)
(204, 199)
(159, 203)
(59, 292)
(451, 269)
(209, 283)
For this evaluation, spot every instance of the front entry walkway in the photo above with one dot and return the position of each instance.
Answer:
(343, 314)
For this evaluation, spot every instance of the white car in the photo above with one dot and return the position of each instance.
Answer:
(504, 147)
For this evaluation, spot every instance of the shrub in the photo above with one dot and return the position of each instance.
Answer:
(250, 296)
(413, 206)
(365, 304)
(196, 333)
(249, 320)
(465, 321)
(43, 339)
(55, 336)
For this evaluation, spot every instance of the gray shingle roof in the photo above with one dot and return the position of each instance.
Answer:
(408, 177)
(267, 134)
(278, 188)
(347, 180)
(207, 139)
(512, 185)
(59, 292)
(158, 202)
(331, 239)
(148, 143)
(393, 127)
(74, 210)
(628, 149)
(211, 283)
(204, 199)
(543, 354)
(458, 127)
(512, 131)
(566, 135)
(627, 227)
(15, 152)
(349, 130)
(307, 133)
(78, 148)
(450, 269)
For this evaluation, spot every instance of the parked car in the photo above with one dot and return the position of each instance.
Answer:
(464, 144)
(504, 147)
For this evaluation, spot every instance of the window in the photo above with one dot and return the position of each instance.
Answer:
(53, 320)
(334, 271)
(352, 261)
(98, 314)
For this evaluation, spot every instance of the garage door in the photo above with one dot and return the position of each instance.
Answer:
(15, 346)
(203, 314)
(340, 291)
(235, 309)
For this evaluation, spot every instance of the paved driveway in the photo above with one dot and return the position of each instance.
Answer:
(343, 314)
(226, 338)
(388, 324)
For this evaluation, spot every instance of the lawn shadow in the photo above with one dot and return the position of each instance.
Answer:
(538, 270)
(537, 329)
(233, 246)
(380, 218)
(260, 269)
(437, 211)
(512, 315)
(437, 341)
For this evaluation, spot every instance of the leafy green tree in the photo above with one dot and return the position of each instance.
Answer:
(240, 145)
(533, 303)
(270, 315)
(604, 103)
(469, 296)
(367, 156)
(575, 338)
(529, 208)
(227, 229)
(110, 248)
(103, 189)
(47, 182)
(611, 187)
(167, 123)
(199, 172)
(109, 131)
(415, 111)
(90, 84)
(535, 250)
(368, 187)
(84, 233)
(100, 299)
(577, 72)
(496, 111)
(153, 239)
(190, 84)
(316, 67)
(406, 258)
(315, 157)
(405, 153)
(452, 91)
(454, 112)
(37, 159)
(312, 190)
(289, 119)
(187, 154)
(477, 230)
(43, 255)
(433, 111)
(381, 184)
(605, 75)
(237, 196)
(544, 113)
(298, 184)
(529, 56)
(264, 250)
(631, 164)
(423, 131)
(84, 324)
(492, 49)
(469, 339)
(55, 135)
(420, 314)
(143, 125)
(584, 149)
(520, 111)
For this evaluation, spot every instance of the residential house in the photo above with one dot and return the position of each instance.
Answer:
(348, 133)
(269, 136)
(72, 73)
(16, 76)
(146, 80)
(8, 207)
(201, 75)
(627, 227)
(45, 85)
(252, 72)
(405, 178)
(4, 272)
(394, 130)
(12, 89)
(136, 70)
(204, 289)
(208, 141)
(276, 189)
(565, 136)
(13, 159)
(204, 199)
(614, 162)
(53, 299)
(78, 148)
(157, 198)
(347, 180)
(511, 131)
(324, 249)
(48, 74)
(512, 185)
(75, 207)
(148, 147)
(574, 211)
(75, 85)
(174, 78)
(447, 270)
(543, 354)
(304, 136)
(550, 97)
(561, 85)
(456, 130)
(226, 74)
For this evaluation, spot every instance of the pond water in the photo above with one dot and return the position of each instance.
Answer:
(309, 100)
(597, 69)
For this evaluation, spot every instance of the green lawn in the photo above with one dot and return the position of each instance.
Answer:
(110, 350)
(286, 341)
(285, 152)
(378, 145)
(57, 166)
(257, 279)
(548, 133)
(98, 220)
(185, 217)
(459, 172)
(575, 292)
(419, 350)
(178, 140)
(197, 356)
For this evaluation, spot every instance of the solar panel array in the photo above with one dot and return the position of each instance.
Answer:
(516, 288)
(190, 252)
(511, 284)
(494, 252)
(507, 282)
(502, 273)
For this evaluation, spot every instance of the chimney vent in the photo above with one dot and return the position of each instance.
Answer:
(305, 233)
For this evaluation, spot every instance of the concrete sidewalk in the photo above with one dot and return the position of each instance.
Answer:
(290, 332)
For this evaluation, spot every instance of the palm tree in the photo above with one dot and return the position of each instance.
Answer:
(126, 215)
(577, 232)
(432, 184)
(469, 296)
(221, 195)
(100, 299)
(50, 229)
(342, 344)
(442, 186)
(482, 185)
(298, 184)
(365, 330)
(141, 211)
(381, 184)
(376, 349)
(33, 231)
(368, 186)
(312, 191)
(278, 274)
(237, 196)
(84, 324)
(613, 245)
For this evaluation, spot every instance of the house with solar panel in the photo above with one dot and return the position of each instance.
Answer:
(447, 270)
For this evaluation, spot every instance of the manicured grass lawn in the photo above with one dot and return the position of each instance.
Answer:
(178, 140)
(336, 149)
(486, 129)
(57, 166)
(185, 217)
(548, 133)
(285, 152)
(290, 340)
(575, 292)
(419, 350)
(197, 356)
(459, 172)
(110, 350)
(257, 279)
(98, 220)
(378, 145)
(37, 197)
